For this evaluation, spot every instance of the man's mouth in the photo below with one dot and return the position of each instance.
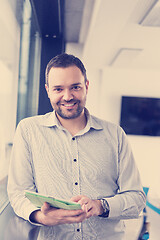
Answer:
(68, 104)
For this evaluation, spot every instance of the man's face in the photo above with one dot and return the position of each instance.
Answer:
(67, 91)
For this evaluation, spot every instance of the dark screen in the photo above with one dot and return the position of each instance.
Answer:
(140, 116)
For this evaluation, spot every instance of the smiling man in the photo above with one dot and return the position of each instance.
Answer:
(67, 91)
(71, 154)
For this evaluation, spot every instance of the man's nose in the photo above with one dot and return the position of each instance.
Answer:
(67, 95)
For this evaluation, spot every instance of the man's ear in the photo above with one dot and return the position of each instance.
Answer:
(87, 85)
(47, 89)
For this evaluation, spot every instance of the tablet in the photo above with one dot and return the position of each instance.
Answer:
(38, 200)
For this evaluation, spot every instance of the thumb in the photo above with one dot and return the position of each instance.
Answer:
(45, 207)
(75, 198)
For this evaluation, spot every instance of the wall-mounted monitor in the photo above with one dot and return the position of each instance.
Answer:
(140, 115)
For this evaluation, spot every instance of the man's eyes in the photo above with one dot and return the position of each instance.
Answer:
(76, 87)
(57, 89)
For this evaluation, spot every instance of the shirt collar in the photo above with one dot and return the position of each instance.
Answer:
(51, 120)
(91, 121)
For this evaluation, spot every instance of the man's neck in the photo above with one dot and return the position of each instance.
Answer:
(73, 125)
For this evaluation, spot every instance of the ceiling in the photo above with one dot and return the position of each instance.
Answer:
(73, 14)
(63, 17)
(77, 18)
(115, 33)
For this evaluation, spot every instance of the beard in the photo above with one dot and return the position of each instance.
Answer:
(69, 113)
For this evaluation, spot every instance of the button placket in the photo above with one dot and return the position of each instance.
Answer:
(78, 231)
(75, 167)
(75, 176)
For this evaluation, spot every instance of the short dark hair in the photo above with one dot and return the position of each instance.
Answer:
(65, 60)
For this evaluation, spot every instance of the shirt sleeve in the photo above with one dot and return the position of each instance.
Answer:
(20, 176)
(130, 199)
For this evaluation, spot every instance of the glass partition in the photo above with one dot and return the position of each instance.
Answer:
(20, 49)
(30, 50)
(9, 65)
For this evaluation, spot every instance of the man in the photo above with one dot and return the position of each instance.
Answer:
(72, 155)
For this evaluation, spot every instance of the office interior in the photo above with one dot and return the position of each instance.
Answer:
(118, 41)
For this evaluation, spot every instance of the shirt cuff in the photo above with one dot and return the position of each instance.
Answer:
(114, 209)
(30, 211)
(119, 210)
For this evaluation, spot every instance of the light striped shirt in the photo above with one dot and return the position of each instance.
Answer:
(96, 162)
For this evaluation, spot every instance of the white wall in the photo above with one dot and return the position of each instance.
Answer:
(9, 64)
(104, 100)
(118, 82)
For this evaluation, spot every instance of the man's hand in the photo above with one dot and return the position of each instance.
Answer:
(52, 216)
(91, 207)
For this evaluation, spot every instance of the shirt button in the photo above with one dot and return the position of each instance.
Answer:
(76, 183)
(78, 230)
(73, 138)
(75, 160)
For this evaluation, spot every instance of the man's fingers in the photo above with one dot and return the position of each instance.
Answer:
(84, 208)
(52, 216)
(86, 203)
(76, 219)
(45, 207)
(76, 198)
(72, 213)
(84, 200)
(90, 214)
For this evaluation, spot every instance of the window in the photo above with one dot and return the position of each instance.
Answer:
(20, 49)
(30, 50)
(9, 64)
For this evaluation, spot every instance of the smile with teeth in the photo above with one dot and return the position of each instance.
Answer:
(69, 104)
